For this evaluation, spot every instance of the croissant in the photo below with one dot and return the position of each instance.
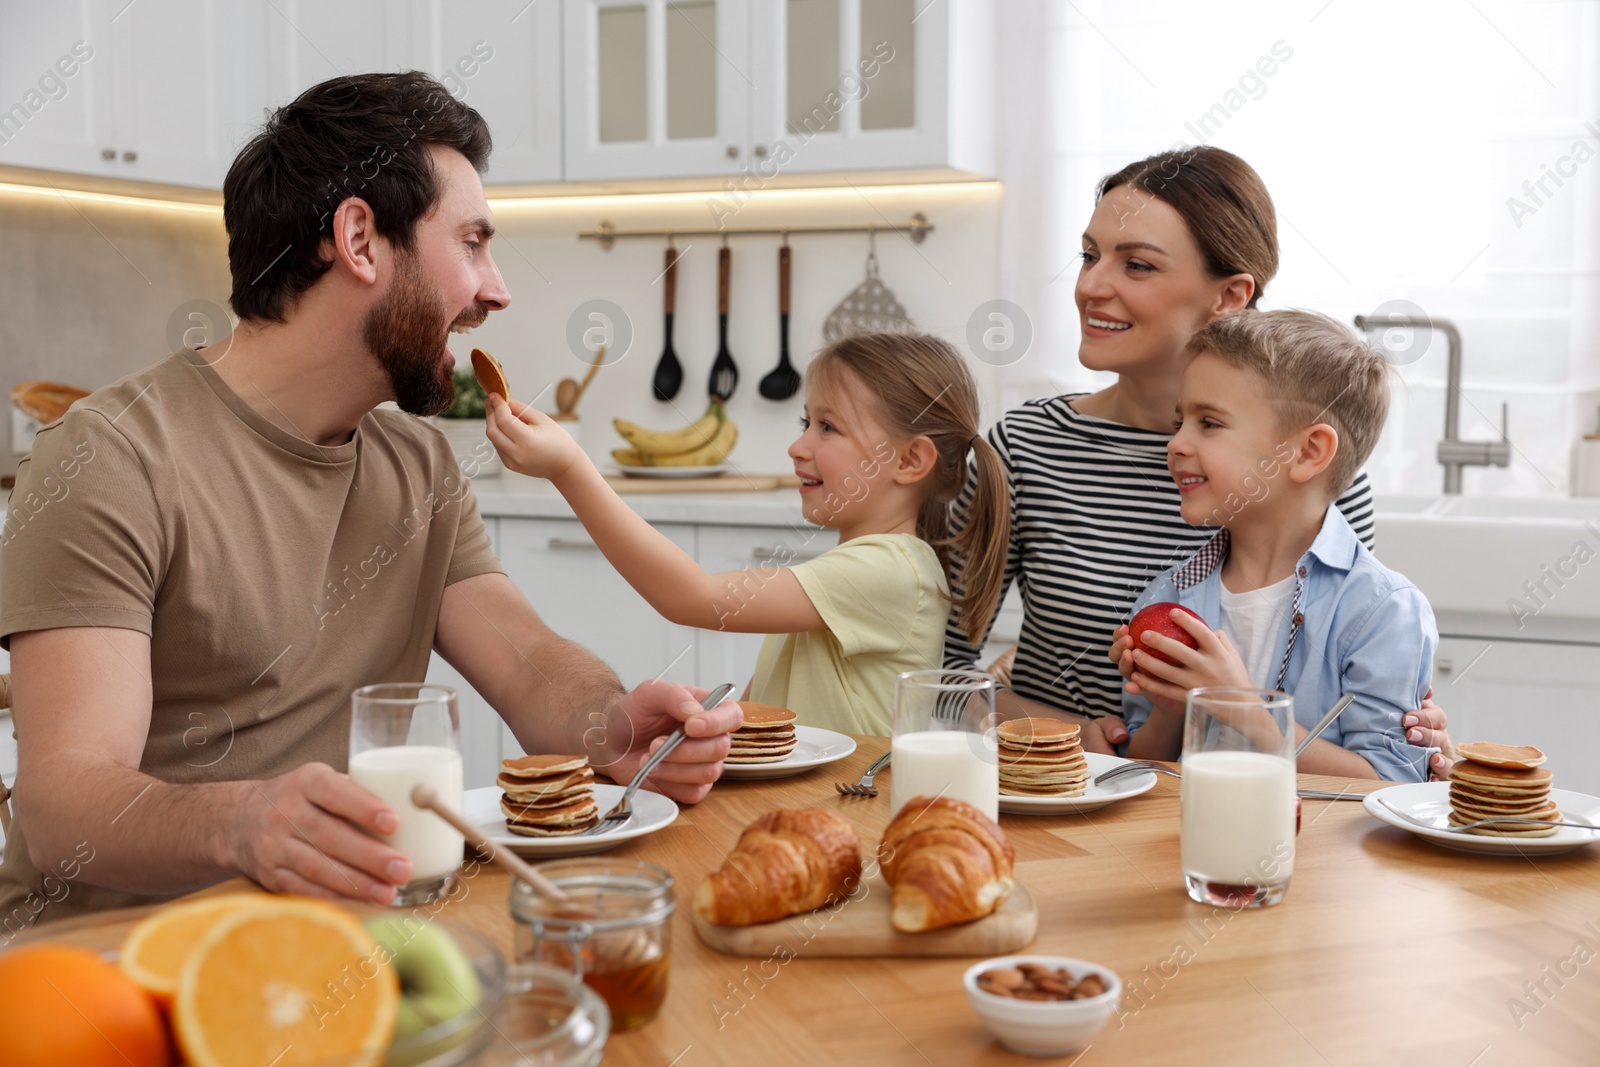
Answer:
(946, 862)
(788, 861)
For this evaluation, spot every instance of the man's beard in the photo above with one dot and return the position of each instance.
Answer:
(406, 333)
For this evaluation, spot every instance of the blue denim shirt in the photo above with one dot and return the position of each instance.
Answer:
(1358, 628)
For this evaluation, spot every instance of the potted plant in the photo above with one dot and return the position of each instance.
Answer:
(462, 424)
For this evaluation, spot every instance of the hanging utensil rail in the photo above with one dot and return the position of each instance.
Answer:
(917, 229)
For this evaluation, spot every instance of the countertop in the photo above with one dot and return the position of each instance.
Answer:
(1386, 949)
(516, 496)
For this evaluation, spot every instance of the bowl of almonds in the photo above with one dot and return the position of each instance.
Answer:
(1043, 1005)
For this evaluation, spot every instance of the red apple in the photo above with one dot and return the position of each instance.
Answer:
(1157, 618)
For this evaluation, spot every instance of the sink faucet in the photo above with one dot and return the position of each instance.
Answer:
(1454, 453)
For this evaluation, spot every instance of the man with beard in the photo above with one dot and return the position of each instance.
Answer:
(234, 539)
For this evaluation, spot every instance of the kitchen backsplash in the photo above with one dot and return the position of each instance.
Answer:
(88, 290)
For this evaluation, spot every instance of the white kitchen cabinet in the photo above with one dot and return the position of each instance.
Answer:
(843, 85)
(310, 41)
(1525, 693)
(159, 91)
(482, 747)
(582, 597)
(656, 89)
(730, 656)
(503, 58)
(760, 88)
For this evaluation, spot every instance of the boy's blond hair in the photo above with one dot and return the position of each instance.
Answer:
(1315, 370)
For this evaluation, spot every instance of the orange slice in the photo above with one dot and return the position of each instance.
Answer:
(289, 982)
(153, 952)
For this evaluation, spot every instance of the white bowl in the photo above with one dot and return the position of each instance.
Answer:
(1044, 1027)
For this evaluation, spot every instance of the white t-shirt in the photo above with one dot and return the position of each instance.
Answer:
(1252, 621)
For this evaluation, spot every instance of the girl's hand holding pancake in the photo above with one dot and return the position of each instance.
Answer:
(529, 441)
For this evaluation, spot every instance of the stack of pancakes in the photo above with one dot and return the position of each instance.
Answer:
(767, 735)
(1501, 781)
(1041, 758)
(548, 796)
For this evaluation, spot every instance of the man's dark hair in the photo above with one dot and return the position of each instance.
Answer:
(366, 135)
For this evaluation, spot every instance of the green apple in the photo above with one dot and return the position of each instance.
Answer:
(437, 981)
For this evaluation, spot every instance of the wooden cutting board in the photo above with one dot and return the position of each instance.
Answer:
(861, 928)
(732, 482)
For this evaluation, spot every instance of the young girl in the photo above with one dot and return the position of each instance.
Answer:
(889, 420)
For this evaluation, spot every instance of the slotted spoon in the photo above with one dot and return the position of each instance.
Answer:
(724, 374)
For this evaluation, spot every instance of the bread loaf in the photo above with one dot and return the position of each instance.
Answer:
(45, 401)
(788, 861)
(946, 862)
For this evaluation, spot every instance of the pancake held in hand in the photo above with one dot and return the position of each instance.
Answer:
(767, 735)
(490, 374)
(547, 796)
(1493, 781)
(1041, 757)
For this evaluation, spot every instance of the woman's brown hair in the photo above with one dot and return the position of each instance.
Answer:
(922, 388)
(1221, 199)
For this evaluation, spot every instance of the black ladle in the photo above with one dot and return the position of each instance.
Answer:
(669, 372)
(783, 381)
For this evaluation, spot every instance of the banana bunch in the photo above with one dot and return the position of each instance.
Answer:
(705, 442)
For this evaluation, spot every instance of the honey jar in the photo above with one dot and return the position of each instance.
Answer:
(614, 933)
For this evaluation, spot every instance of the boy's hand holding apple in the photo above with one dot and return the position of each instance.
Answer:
(1168, 650)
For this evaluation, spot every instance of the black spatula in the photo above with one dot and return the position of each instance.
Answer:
(724, 374)
(783, 381)
(669, 372)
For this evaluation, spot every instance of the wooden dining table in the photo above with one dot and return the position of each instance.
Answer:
(1386, 949)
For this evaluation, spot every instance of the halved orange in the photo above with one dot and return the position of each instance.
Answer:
(288, 982)
(153, 952)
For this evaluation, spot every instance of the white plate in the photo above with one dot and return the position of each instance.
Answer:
(1430, 802)
(1094, 797)
(676, 472)
(813, 747)
(651, 811)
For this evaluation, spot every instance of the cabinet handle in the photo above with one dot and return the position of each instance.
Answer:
(130, 156)
(766, 552)
(761, 151)
(108, 153)
(733, 151)
(565, 543)
(1445, 666)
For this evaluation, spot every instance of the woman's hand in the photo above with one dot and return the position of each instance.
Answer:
(1428, 727)
(530, 442)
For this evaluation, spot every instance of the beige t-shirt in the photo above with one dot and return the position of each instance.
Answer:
(884, 600)
(272, 575)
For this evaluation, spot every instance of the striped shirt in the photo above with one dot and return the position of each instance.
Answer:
(1094, 518)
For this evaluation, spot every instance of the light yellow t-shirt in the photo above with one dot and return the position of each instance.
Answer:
(884, 600)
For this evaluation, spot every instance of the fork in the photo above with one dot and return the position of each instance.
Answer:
(623, 811)
(864, 788)
(1138, 767)
(1464, 827)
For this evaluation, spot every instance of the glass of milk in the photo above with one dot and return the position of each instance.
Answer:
(944, 742)
(1237, 798)
(402, 735)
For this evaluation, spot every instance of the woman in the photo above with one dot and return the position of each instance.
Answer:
(1175, 241)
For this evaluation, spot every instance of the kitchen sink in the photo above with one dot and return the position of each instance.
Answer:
(1523, 508)
(1526, 567)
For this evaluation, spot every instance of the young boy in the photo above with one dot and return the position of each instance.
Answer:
(1276, 413)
